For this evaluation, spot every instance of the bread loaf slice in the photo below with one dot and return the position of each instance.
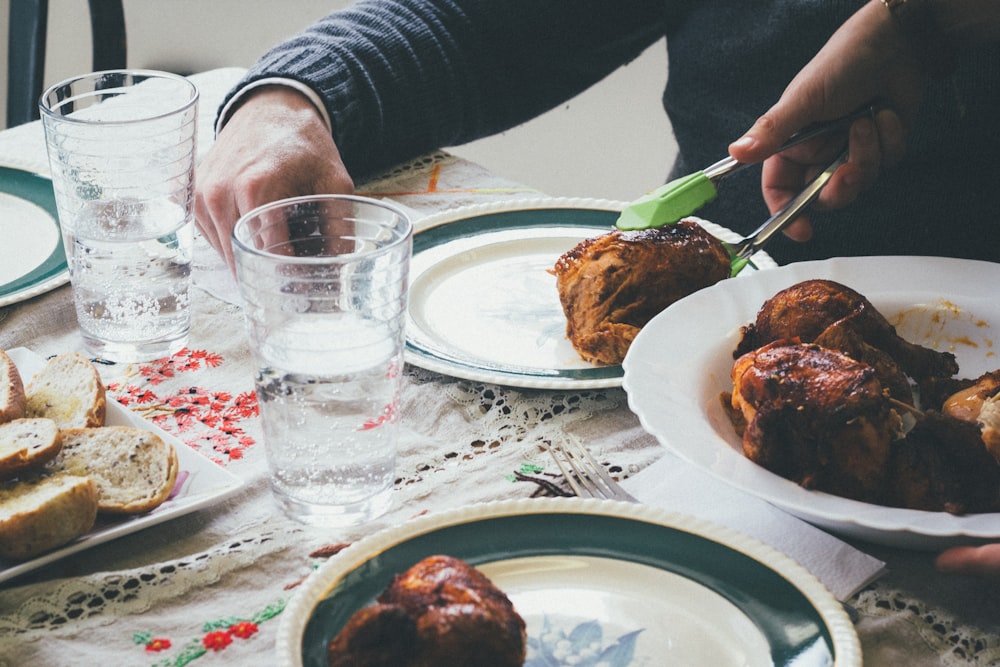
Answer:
(27, 444)
(12, 400)
(43, 513)
(69, 391)
(134, 469)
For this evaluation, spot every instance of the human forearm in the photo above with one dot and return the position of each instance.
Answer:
(403, 77)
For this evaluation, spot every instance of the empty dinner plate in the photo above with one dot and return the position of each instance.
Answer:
(32, 260)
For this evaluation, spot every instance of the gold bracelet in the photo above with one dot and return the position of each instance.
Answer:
(915, 20)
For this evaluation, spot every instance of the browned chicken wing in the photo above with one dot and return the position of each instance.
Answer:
(807, 309)
(441, 611)
(612, 285)
(844, 338)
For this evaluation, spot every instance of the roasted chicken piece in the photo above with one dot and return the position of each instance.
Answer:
(942, 465)
(610, 286)
(806, 310)
(842, 337)
(815, 416)
(441, 611)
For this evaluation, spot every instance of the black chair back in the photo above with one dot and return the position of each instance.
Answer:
(26, 50)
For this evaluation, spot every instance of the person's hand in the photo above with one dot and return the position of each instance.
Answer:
(274, 146)
(980, 561)
(866, 62)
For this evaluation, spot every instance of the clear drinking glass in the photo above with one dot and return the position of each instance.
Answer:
(121, 148)
(324, 286)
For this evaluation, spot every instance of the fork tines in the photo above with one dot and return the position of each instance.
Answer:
(585, 476)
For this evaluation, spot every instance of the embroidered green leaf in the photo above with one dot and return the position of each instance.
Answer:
(269, 612)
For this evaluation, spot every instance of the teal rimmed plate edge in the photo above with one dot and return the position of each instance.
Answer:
(538, 213)
(52, 272)
(775, 592)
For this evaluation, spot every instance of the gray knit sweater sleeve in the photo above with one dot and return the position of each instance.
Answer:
(403, 77)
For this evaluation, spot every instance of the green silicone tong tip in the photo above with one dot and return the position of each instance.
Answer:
(668, 203)
(683, 196)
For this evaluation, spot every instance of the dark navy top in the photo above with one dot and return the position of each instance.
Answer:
(403, 77)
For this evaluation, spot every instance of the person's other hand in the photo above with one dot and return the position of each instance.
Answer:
(980, 561)
(275, 145)
(866, 62)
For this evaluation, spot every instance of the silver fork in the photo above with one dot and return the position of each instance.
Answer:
(585, 476)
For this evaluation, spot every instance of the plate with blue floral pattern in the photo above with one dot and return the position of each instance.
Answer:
(598, 583)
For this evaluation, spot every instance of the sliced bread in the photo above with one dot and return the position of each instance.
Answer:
(40, 514)
(69, 391)
(134, 470)
(12, 400)
(27, 444)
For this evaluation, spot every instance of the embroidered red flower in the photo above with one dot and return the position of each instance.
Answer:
(218, 640)
(243, 629)
(212, 420)
(246, 404)
(157, 644)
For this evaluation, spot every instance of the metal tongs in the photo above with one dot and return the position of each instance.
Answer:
(740, 253)
(683, 196)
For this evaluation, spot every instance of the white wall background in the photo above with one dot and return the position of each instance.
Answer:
(612, 141)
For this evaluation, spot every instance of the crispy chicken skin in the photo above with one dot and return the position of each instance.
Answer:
(808, 309)
(610, 286)
(817, 417)
(843, 337)
(440, 612)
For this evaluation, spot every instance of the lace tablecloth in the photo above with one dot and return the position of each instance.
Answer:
(209, 587)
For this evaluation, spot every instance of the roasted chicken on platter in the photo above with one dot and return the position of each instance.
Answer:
(610, 286)
(821, 386)
(807, 310)
(441, 611)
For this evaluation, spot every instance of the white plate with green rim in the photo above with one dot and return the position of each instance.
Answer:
(32, 260)
(643, 586)
(483, 305)
(942, 303)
